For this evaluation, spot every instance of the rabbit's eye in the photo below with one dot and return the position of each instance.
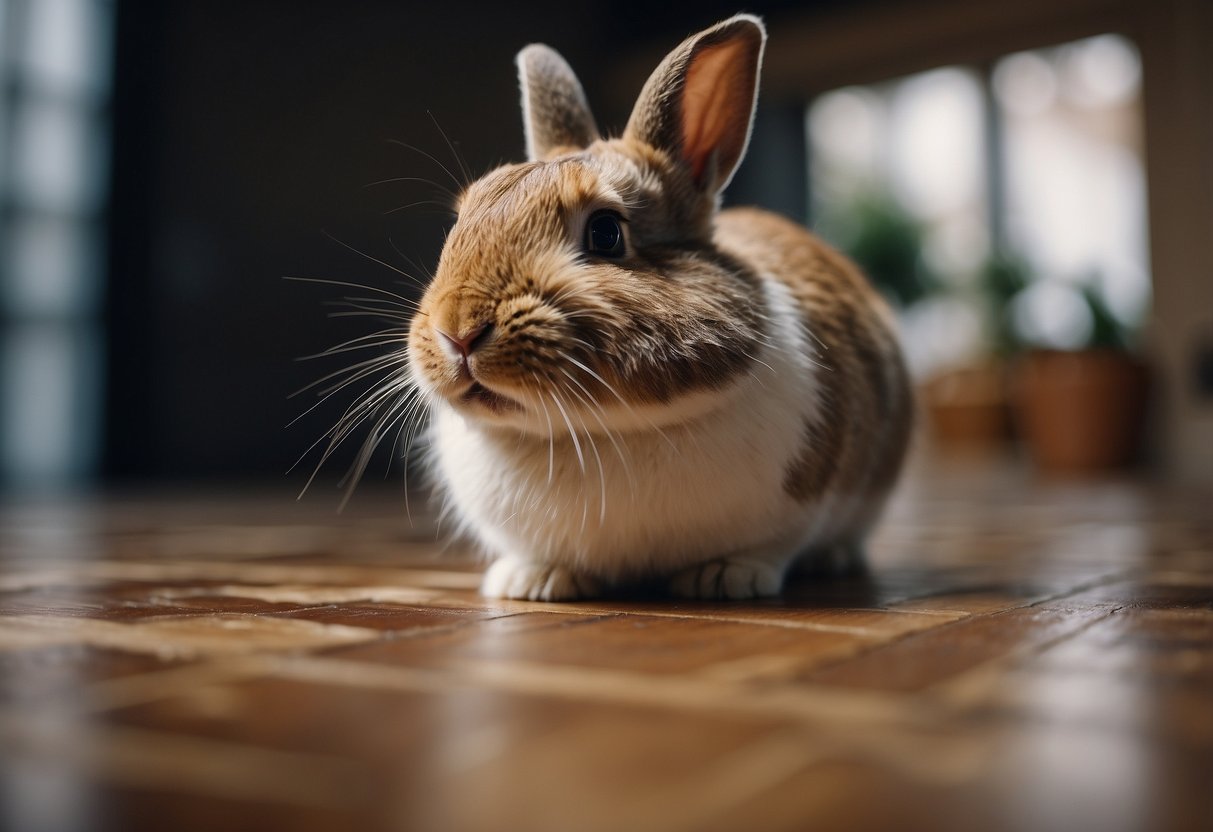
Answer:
(604, 234)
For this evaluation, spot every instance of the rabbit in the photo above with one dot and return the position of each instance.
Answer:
(628, 385)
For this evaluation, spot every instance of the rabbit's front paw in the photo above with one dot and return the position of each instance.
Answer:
(728, 579)
(530, 581)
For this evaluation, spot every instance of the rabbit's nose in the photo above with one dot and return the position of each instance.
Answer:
(462, 346)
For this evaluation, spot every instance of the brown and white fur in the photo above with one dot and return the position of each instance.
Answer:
(724, 396)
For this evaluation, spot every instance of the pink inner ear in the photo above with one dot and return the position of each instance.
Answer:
(716, 105)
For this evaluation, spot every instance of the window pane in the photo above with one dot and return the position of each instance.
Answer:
(48, 403)
(1075, 181)
(52, 267)
(58, 157)
(898, 179)
(4, 85)
(67, 45)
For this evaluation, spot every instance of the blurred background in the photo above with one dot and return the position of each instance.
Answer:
(1031, 184)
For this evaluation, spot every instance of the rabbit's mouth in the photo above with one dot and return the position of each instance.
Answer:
(495, 402)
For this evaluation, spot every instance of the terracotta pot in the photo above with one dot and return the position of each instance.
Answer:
(1081, 412)
(967, 407)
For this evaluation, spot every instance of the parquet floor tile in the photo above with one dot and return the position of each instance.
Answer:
(1020, 655)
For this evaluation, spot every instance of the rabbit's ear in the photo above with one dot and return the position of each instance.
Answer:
(698, 104)
(555, 114)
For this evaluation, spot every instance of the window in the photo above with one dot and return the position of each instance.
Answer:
(945, 175)
(54, 79)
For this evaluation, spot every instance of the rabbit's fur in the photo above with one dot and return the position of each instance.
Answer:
(720, 395)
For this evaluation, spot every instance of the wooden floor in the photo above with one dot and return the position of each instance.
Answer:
(1021, 656)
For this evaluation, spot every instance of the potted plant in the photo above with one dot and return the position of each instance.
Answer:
(1082, 410)
(969, 405)
(887, 243)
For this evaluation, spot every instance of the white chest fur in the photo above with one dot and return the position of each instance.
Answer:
(645, 500)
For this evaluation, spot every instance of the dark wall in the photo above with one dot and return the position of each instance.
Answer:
(248, 133)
